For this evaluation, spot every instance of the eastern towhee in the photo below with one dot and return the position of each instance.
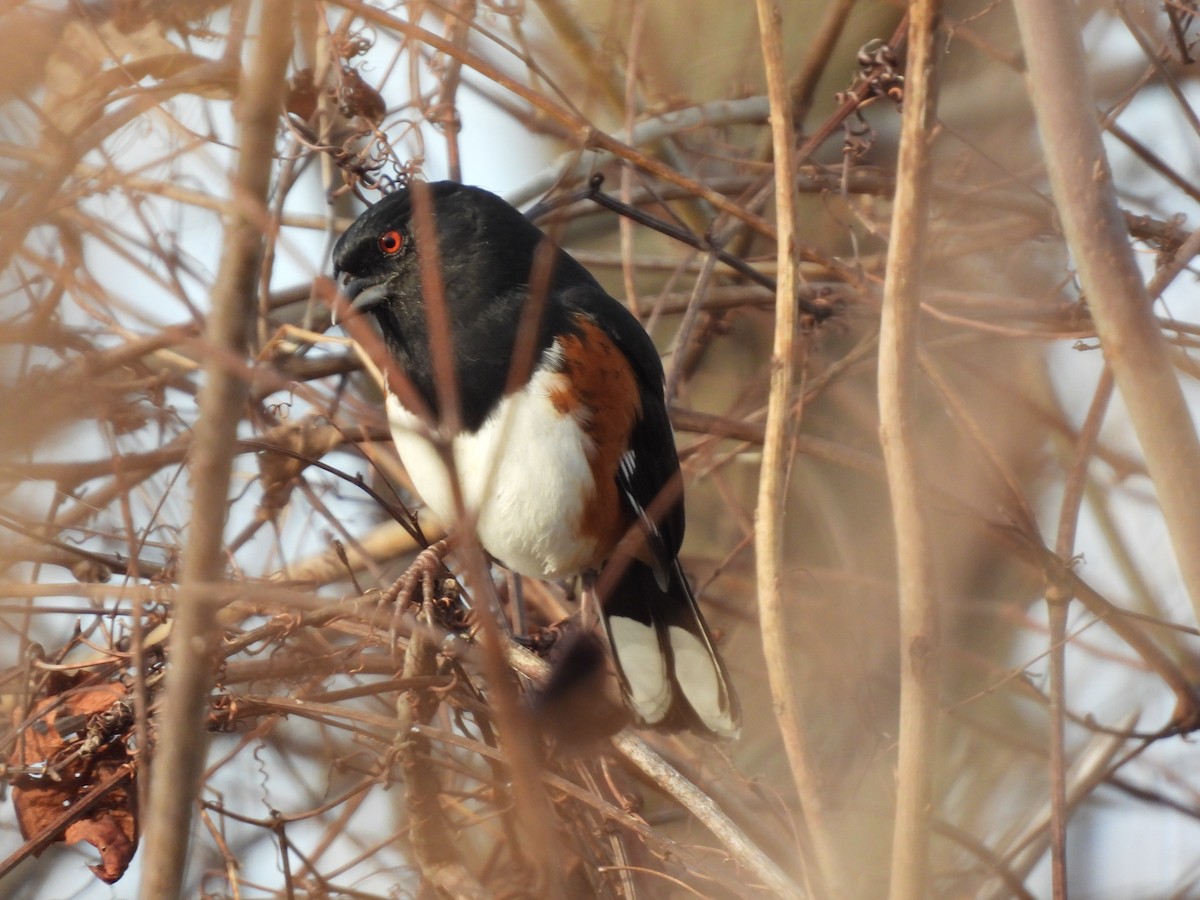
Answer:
(566, 458)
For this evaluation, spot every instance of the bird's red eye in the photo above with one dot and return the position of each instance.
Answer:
(391, 242)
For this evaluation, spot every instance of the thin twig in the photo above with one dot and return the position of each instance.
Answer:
(667, 778)
(1057, 604)
(820, 51)
(588, 136)
(1091, 768)
(433, 845)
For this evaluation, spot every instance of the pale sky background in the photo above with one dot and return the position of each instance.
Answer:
(1123, 849)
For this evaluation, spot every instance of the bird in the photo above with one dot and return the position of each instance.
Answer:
(565, 458)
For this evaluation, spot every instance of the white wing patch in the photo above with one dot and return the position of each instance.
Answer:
(625, 470)
(628, 464)
(701, 682)
(644, 666)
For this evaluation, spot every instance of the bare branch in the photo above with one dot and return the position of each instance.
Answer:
(920, 638)
(179, 759)
(1081, 179)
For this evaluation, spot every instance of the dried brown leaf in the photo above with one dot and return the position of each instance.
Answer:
(76, 738)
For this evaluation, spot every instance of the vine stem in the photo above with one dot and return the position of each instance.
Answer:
(898, 367)
(773, 477)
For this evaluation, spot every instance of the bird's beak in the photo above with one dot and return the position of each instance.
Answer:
(361, 293)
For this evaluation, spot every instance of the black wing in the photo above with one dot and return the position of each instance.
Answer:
(671, 673)
(648, 476)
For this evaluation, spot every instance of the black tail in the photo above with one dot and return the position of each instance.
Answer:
(671, 674)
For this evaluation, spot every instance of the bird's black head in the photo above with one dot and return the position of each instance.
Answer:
(486, 254)
(375, 260)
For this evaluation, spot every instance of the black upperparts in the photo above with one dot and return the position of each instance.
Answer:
(487, 252)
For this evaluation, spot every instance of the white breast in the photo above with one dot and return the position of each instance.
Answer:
(521, 473)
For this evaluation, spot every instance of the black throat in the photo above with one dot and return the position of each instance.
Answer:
(488, 255)
(488, 335)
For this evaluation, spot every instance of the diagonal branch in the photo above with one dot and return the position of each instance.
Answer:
(688, 795)
(1134, 347)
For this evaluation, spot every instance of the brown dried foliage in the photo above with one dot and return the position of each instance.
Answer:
(74, 740)
(363, 743)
